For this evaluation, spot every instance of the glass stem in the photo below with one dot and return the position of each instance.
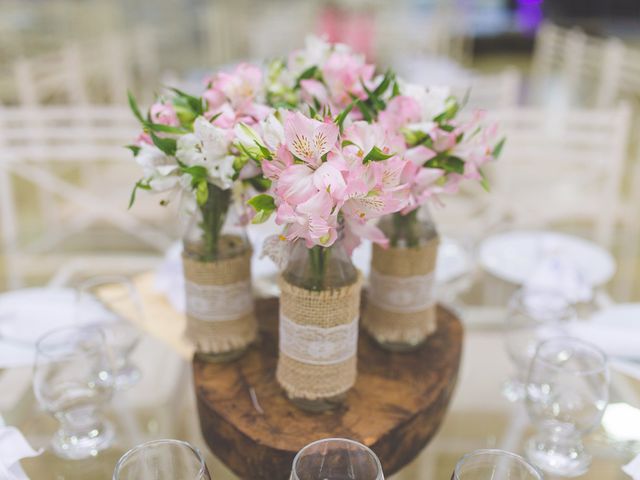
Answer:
(214, 213)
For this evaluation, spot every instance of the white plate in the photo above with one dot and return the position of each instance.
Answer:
(26, 315)
(513, 256)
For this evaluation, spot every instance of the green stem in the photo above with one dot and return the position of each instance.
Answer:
(214, 213)
(405, 227)
(319, 260)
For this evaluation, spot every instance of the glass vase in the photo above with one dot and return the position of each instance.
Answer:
(319, 311)
(400, 311)
(217, 269)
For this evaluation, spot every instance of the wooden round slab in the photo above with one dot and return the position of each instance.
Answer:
(396, 406)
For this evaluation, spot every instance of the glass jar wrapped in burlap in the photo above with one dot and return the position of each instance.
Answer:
(400, 311)
(319, 312)
(216, 260)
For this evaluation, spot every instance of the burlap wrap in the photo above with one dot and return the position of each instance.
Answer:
(230, 332)
(324, 309)
(391, 325)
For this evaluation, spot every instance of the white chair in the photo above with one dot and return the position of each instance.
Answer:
(584, 70)
(98, 71)
(40, 150)
(563, 165)
(492, 91)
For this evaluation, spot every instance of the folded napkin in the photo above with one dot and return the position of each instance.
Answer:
(633, 468)
(13, 448)
(558, 273)
(615, 330)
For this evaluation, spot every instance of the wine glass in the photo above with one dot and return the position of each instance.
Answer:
(493, 464)
(162, 460)
(73, 380)
(533, 316)
(113, 303)
(336, 459)
(567, 392)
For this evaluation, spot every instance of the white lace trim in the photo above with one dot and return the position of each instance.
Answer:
(218, 303)
(316, 345)
(401, 294)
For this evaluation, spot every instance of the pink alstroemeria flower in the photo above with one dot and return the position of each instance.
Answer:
(400, 111)
(164, 113)
(309, 139)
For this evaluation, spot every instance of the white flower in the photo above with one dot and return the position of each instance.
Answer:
(208, 146)
(157, 167)
(316, 51)
(432, 100)
(273, 132)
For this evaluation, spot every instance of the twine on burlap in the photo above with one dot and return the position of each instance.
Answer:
(220, 315)
(400, 305)
(321, 370)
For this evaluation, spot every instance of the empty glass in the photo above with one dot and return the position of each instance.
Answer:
(336, 459)
(567, 392)
(494, 465)
(162, 460)
(113, 303)
(533, 316)
(73, 381)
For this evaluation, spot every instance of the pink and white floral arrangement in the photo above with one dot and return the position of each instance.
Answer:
(320, 140)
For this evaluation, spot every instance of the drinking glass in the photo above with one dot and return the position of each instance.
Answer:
(73, 380)
(567, 392)
(113, 303)
(533, 316)
(336, 459)
(162, 460)
(494, 465)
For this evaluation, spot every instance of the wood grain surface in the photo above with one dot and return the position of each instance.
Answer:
(395, 408)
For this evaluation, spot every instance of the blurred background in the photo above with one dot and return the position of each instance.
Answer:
(563, 76)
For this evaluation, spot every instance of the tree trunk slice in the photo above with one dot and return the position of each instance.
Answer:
(395, 408)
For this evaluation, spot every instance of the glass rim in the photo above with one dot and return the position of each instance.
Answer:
(371, 453)
(495, 452)
(594, 349)
(93, 329)
(164, 441)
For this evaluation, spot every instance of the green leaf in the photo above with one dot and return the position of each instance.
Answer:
(134, 148)
(264, 205)
(389, 76)
(139, 184)
(497, 150)
(450, 110)
(202, 192)
(484, 182)
(396, 89)
(307, 74)
(157, 127)
(198, 173)
(376, 155)
(195, 103)
(134, 107)
(449, 164)
(265, 151)
(167, 145)
(346, 143)
(366, 111)
(343, 115)
(260, 183)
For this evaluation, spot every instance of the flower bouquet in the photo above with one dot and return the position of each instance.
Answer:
(187, 148)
